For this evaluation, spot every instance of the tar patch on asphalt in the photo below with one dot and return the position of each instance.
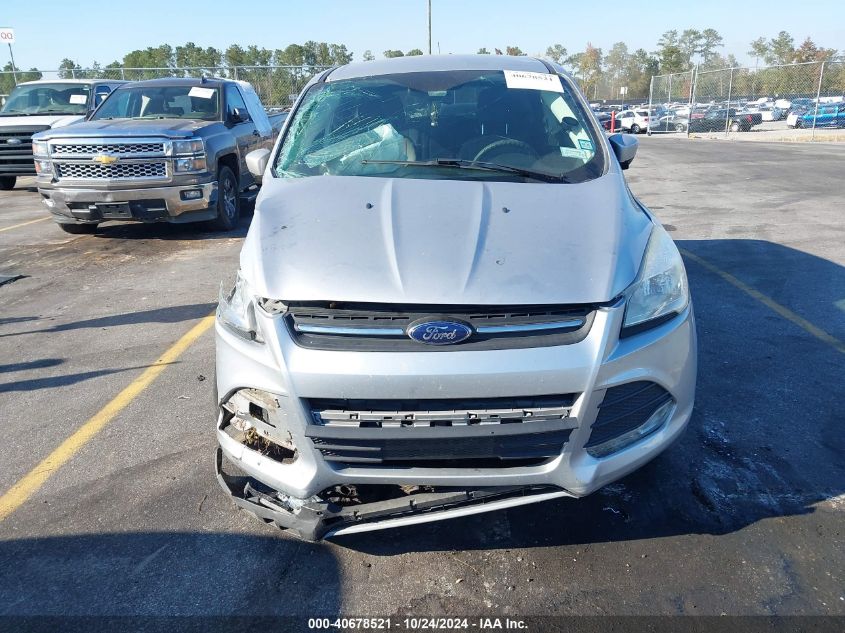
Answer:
(7, 279)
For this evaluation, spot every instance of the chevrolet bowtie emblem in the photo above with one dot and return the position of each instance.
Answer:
(105, 159)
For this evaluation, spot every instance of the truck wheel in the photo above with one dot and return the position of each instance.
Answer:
(228, 200)
(7, 182)
(635, 129)
(735, 126)
(78, 229)
(679, 127)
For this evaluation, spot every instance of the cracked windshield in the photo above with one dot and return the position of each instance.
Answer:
(456, 125)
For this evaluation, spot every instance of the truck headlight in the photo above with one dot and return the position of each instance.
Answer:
(43, 167)
(236, 310)
(191, 146)
(660, 290)
(183, 165)
(39, 148)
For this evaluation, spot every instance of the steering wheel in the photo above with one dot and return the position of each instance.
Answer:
(505, 142)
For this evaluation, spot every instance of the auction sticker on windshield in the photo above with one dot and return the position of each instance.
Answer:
(532, 81)
(202, 93)
(78, 99)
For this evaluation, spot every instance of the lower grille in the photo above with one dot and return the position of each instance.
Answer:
(492, 432)
(93, 171)
(625, 408)
(444, 452)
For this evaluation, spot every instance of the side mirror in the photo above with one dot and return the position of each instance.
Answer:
(239, 115)
(625, 148)
(256, 163)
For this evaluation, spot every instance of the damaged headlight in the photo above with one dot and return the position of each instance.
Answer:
(236, 310)
(660, 290)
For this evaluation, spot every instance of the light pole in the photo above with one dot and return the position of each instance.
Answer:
(8, 35)
(429, 27)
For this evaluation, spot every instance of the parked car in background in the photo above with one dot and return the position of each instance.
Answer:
(633, 121)
(35, 106)
(164, 150)
(669, 123)
(382, 360)
(826, 116)
(720, 119)
(604, 119)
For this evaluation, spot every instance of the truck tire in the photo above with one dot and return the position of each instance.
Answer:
(680, 127)
(735, 126)
(7, 183)
(228, 200)
(78, 229)
(635, 129)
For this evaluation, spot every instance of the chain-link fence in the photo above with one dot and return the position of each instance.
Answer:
(778, 102)
(277, 86)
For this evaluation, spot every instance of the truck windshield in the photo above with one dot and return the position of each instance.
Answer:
(450, 124)
(161, 102)
(47, 98)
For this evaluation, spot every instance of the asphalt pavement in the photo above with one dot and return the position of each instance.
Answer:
(744, 515)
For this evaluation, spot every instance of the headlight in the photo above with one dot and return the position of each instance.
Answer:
(236, 311)
(43, 167)
(189, 164)
(39, 148)
(660, 290)
(192, 146)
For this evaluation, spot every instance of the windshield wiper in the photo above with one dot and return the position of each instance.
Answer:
(15, 113)
(461, 163)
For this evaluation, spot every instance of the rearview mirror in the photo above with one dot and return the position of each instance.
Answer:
(256, 163)
(625, 148)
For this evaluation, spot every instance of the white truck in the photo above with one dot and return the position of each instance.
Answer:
(35, 106)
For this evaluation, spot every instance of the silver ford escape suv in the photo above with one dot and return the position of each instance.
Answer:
(448, 302)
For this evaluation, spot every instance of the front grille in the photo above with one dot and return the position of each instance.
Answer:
(93, 171)
(377, 327)
(492, 432)
(16, 156)
(626, 407)
(91, 149)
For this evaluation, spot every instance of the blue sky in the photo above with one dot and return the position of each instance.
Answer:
(89, 30)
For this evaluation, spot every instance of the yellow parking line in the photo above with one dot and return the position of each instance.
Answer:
(767, 301)
(17, 226)
(18, 494)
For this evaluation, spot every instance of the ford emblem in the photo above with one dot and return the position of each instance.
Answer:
(439, 332)
(14, 141)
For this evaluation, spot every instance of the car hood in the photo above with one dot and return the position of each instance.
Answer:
(53, 120)
(384, 240)
(172, 128)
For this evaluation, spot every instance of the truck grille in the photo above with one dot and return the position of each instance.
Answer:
(492, 432)
(91, 149)
(376, 327)
(93, 171)
(16, 150)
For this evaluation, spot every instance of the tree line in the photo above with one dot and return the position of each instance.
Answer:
(600, 73)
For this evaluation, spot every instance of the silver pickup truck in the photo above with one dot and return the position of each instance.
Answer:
(164, 150)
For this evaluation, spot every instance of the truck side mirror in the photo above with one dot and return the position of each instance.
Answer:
(239, 115)
(256, 163)
(625, 148)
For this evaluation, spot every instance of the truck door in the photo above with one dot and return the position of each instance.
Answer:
(245, 133)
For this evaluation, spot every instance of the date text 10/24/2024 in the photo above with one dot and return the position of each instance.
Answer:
(418, 624)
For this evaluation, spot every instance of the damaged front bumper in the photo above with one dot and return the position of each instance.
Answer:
(322, 468)
(318, 517)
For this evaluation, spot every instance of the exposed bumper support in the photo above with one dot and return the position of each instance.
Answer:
(314, 519)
